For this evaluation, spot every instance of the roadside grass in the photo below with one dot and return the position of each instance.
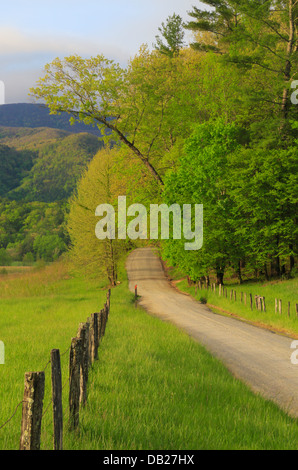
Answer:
(287, 291)
(152, 388)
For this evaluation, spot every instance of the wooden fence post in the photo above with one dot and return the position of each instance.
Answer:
(103, 321)
(94, 337)
(260, 303)
(289, 309)
(264, 305)
(251, 302)
(245, 299)
(32, 410)
(280, 306)
(219, 290)
(136, 292)
(297, 310)
(107, 311)
(75, 361)
(99, 323)
(276, 304)
(57, 399)
(109, 299)
(83, 334)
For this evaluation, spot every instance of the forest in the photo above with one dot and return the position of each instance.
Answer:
(213, 122)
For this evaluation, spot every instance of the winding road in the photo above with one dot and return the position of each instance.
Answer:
(257, 356)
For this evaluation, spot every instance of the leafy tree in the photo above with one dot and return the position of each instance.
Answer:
(91, 91)
(5, 258)
(49, 247)
(220, 22)
(100, 185)
(173, 34)
(202, 179)
(263, 187)
(146, 106)
(251, 33)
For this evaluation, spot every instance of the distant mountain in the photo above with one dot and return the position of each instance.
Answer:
(35, 115)
(43, 164)
(30, 138)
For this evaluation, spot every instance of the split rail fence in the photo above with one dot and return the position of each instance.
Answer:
(83, 352)
(257, 301)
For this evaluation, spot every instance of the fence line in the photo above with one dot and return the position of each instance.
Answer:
(259, 300)
(83, 352)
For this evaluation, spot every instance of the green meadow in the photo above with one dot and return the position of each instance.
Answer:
(152, 388)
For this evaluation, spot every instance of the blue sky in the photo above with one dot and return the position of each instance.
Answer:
(34, 32)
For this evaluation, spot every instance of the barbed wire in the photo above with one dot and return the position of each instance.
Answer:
(9, 419)
(23, 401)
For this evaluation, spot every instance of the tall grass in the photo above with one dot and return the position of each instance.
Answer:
(152, 388)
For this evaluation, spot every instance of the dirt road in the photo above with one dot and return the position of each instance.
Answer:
(257, 356)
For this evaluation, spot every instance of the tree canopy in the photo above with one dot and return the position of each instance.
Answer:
(212, 124)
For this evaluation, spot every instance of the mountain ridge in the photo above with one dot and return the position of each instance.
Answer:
(32, 115)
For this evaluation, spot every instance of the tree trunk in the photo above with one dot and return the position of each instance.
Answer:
(266, 272)
(288, 64)
(220, 272)
(239, 274)
(292, 259)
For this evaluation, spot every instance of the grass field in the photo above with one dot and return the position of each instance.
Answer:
(152, 388)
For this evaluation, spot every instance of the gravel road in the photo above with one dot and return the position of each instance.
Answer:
(257, 356)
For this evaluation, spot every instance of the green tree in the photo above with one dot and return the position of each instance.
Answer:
(262, 185)
(172, 36)
(48, 247)
(251, 33)
(146, 106)
(202, 179)
(100, 184)
(5, 258)
(220, 22)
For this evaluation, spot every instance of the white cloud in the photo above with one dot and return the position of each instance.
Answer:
(23, 56)
(43, 31)
(14, 41)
